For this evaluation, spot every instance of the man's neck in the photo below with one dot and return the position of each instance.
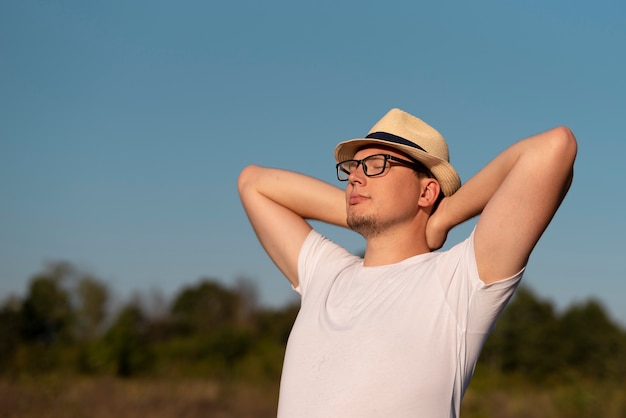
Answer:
(392, 248)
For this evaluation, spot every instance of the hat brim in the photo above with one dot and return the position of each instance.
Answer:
(443, 171)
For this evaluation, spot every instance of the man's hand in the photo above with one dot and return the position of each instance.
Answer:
(436, 228)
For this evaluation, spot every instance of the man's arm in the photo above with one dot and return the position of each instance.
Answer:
(516, 194)
(278, 202)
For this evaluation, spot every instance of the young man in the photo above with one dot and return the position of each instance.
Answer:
(397, 333)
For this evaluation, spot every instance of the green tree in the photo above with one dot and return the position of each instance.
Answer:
(592, 344)
(247, 301)
(277, 323)
(92, 298)
(204, 308)
(126, 342)
(46, 323)
(526, 338)
(9, 332)
(46, 313)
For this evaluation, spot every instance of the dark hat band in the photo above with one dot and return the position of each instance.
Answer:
(386, 136)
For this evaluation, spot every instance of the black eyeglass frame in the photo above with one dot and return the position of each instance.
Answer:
(386, 159)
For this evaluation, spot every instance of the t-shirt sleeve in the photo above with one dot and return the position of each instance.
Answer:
(319, 260)
(476, 305)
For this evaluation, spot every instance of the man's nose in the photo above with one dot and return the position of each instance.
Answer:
(357, 175)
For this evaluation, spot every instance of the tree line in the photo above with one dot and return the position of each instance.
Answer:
(66, 324)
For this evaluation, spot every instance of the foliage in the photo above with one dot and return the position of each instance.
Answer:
(46, 314)
(531, 340)
(592, 344)
(204, 307)
(64, 324)
(92, 298)
(525, 337)
(10, 317)
(126, 343)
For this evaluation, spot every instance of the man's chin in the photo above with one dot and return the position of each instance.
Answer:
(366, 226)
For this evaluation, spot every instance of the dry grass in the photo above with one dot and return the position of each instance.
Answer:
(100, 397)
(562, 401)
(55, 397)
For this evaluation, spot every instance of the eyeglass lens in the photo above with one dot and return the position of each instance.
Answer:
(372, 166)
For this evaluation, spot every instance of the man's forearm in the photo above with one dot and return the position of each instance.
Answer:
(306, 196)
(470, 200)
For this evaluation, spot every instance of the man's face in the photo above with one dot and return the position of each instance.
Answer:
(375, 204)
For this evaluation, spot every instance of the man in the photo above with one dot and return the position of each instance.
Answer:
(397, 333)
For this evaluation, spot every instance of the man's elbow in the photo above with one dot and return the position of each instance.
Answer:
(563, 144)
(247, 177)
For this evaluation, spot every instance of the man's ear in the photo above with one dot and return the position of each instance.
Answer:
(430, 192)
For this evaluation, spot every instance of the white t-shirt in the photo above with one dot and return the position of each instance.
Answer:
(391, 341)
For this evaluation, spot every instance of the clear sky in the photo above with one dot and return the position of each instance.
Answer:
(124, 125)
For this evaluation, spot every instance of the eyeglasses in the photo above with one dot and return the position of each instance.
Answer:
(374, 165)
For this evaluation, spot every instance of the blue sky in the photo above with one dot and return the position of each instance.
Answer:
(124, 125)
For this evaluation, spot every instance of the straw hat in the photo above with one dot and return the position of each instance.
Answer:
(412, 136)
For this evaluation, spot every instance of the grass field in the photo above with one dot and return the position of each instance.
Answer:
(54, 397)
(64, 397)
(559, 401)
